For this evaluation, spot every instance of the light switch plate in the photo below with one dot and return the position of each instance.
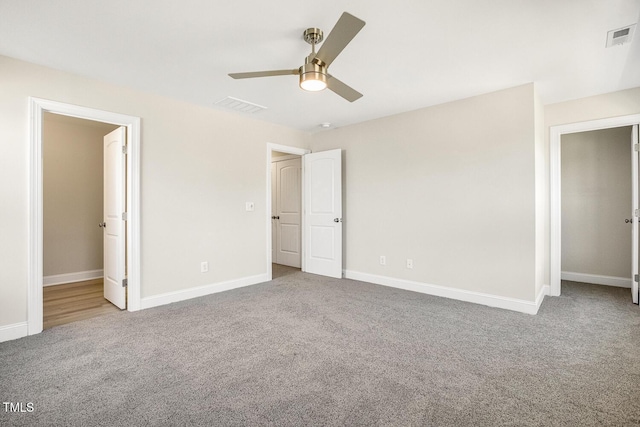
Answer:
(250, 207)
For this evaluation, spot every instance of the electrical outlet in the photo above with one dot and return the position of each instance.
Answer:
(383, 260)
(204, 267)
(409, 263)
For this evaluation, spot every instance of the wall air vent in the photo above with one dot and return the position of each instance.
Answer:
(236, 104)
(620, 36)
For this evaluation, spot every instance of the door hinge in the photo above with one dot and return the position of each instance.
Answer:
(125, 283)
(124, 149)
(635, 278)
(124, 216)
(636, 147)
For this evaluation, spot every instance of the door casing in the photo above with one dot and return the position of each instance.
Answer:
(555, 197)
(37, 107)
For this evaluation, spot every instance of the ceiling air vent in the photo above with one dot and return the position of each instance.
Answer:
(620, 36)
(239, 105)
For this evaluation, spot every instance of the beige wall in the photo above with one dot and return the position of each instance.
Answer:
(541, 196)
(451, 187)
(596, 199)
(199, 167)
(615, 104)
(455, 187)
(72, 194)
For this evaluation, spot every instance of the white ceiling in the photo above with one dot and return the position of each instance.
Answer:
(411, 53)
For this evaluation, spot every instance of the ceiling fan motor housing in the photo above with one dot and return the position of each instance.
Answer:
(313, 77)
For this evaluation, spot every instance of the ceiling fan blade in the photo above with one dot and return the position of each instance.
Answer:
(253, 74)
(345, 30)
(345, 91)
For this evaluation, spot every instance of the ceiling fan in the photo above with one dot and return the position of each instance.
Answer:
(314, 74)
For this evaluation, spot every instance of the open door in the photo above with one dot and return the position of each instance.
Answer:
(635, 241)
(287, 217)
(113, 225)
(323, 213)
(274, 210)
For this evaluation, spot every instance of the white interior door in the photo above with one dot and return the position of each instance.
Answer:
(288, 212)
(323, 213)
(635, 241)
(113, 223)
(274, 209)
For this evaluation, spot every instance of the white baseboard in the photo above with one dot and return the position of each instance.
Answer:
(59, 279)
(14, 331)
(522, 306)
(169, 297)
(621, 282)
(544, 291)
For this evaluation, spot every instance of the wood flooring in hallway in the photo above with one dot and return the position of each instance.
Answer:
(74, 301)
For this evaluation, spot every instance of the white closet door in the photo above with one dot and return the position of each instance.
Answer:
(289, 212)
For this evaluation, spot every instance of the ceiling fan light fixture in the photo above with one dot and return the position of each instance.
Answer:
(313, 77)
(313, 84)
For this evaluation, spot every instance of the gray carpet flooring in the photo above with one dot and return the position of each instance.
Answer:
(306, 350)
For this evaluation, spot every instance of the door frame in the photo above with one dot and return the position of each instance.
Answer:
(555, 196)
(37, 107)
(298, 152)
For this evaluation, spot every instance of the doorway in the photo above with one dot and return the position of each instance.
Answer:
(73, 194)
(555, 172)
(37, 108)
(596, 207)
(284, 202)
(321, 221)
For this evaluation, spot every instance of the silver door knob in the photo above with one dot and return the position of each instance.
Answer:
(102, 225)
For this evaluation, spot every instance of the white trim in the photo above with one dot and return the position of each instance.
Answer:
(596, 279)
(298, 152)
(543, 292)
(170, 297)
(14, 331)
(37, 107)
(34, 288)
(80, 276)
(522, 306)
(555, 197)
